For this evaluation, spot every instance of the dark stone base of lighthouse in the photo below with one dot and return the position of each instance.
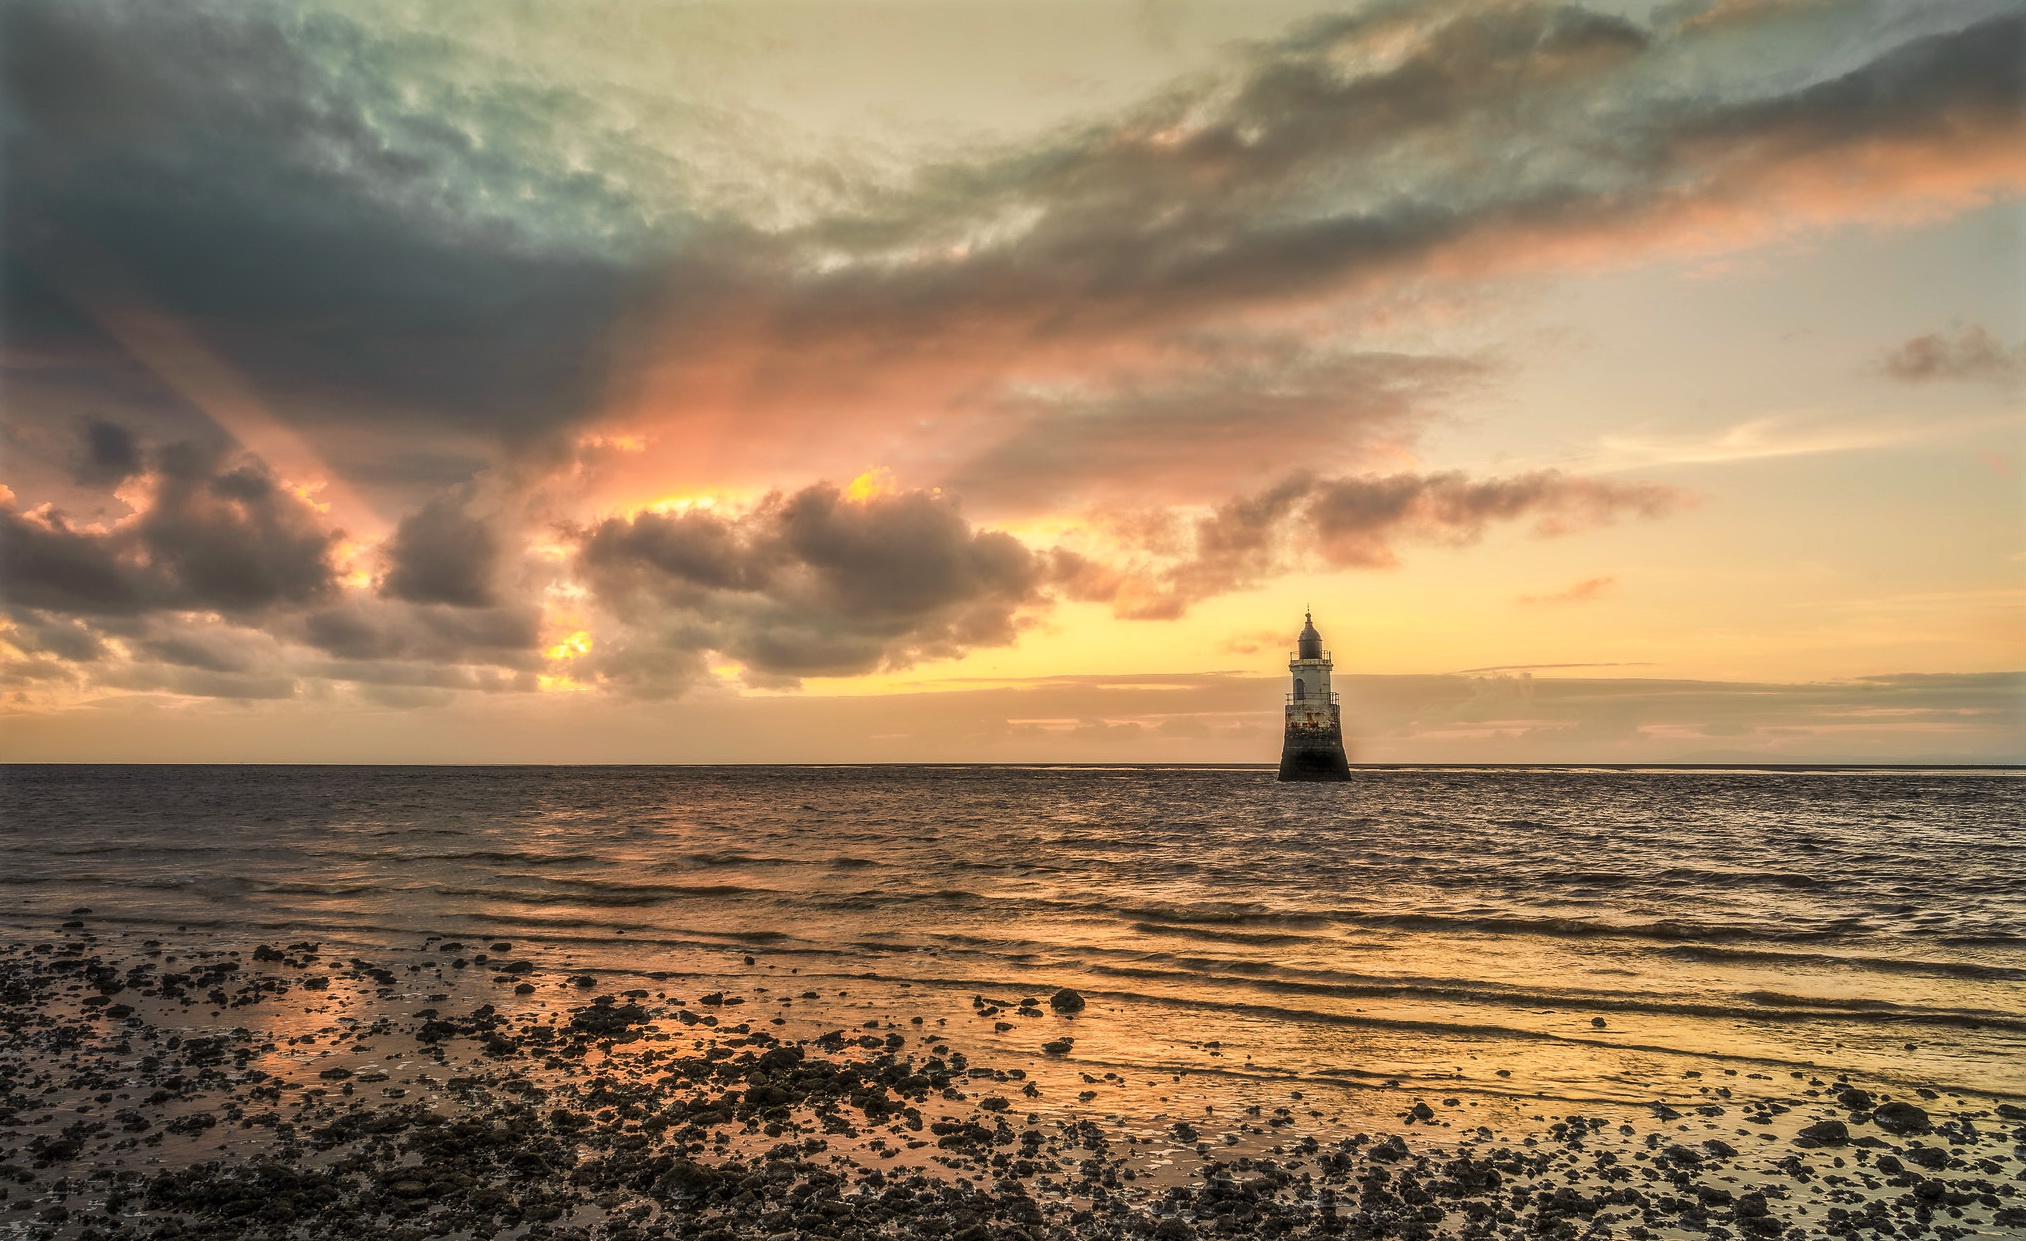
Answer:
(1314, 752)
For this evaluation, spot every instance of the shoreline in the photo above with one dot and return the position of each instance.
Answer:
(476, 1089)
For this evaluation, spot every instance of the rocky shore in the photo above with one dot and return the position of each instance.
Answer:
(171, 1087)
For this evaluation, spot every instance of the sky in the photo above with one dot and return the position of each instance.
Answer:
(981, 380)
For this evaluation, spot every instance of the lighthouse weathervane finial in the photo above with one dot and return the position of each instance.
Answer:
(1312, 747)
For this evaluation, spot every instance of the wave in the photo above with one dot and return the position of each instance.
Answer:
(1760, 1006)
(1677, 875)
(518, 858)
(598, 893)
(1583, 928)
(1230, 913)
(1875, 964)
(1257, 913)
(1226, 936)
(303, 888)
(893, 898)
(714, 860)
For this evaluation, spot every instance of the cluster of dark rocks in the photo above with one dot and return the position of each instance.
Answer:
(625, 1113)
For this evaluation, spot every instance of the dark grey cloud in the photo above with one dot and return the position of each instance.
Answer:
(1971, 353)
(198, 682)
(216, 535)
(442, 553)
(812, 583)
(220, 570)
(108, 454)
(358, 223)
(479, 678)
(366, 631)
(207, 651)
(62, 638)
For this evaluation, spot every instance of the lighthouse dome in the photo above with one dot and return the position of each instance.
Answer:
(1310, 644)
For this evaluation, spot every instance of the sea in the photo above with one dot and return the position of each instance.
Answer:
(1576, 933)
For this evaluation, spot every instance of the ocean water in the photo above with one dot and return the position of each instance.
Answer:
(1574, 933)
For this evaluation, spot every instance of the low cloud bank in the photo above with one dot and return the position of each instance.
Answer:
(1194, 717)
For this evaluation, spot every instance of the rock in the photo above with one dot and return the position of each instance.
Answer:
(607, 1020)
(1897, 1117)
(1066, 1001)
(1854, 1100)
(1827, 1132)
(1597, 1022)
(1059, 1046)
(1933, 1158)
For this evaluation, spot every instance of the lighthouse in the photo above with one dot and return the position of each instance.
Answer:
(1313, 746)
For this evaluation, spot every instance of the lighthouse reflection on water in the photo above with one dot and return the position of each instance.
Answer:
(1313, 746)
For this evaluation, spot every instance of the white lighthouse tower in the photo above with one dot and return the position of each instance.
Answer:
(1313, 745)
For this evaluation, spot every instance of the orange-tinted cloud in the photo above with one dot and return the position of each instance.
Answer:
(1019, 316)
(1589, 590)
(1358, 522)
(1969, 354)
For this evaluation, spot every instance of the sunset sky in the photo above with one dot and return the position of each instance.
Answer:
(836, 380)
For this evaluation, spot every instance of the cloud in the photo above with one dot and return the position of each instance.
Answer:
(222, 579)
(1253, 642)
(371, 633)
(109, 455)
(211, 534)
(812, 583)
(1218, 414)
(1146, 718)
(1969, 354)
(815, 583)
(1789, 433)
(1938, 717)
(1357, 522)
(1531, 668)
(381, 228)
(441, 553)
(1589, 590)
(389, 228)
(422, 257)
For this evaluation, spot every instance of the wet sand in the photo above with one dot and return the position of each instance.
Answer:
(167, 1085)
